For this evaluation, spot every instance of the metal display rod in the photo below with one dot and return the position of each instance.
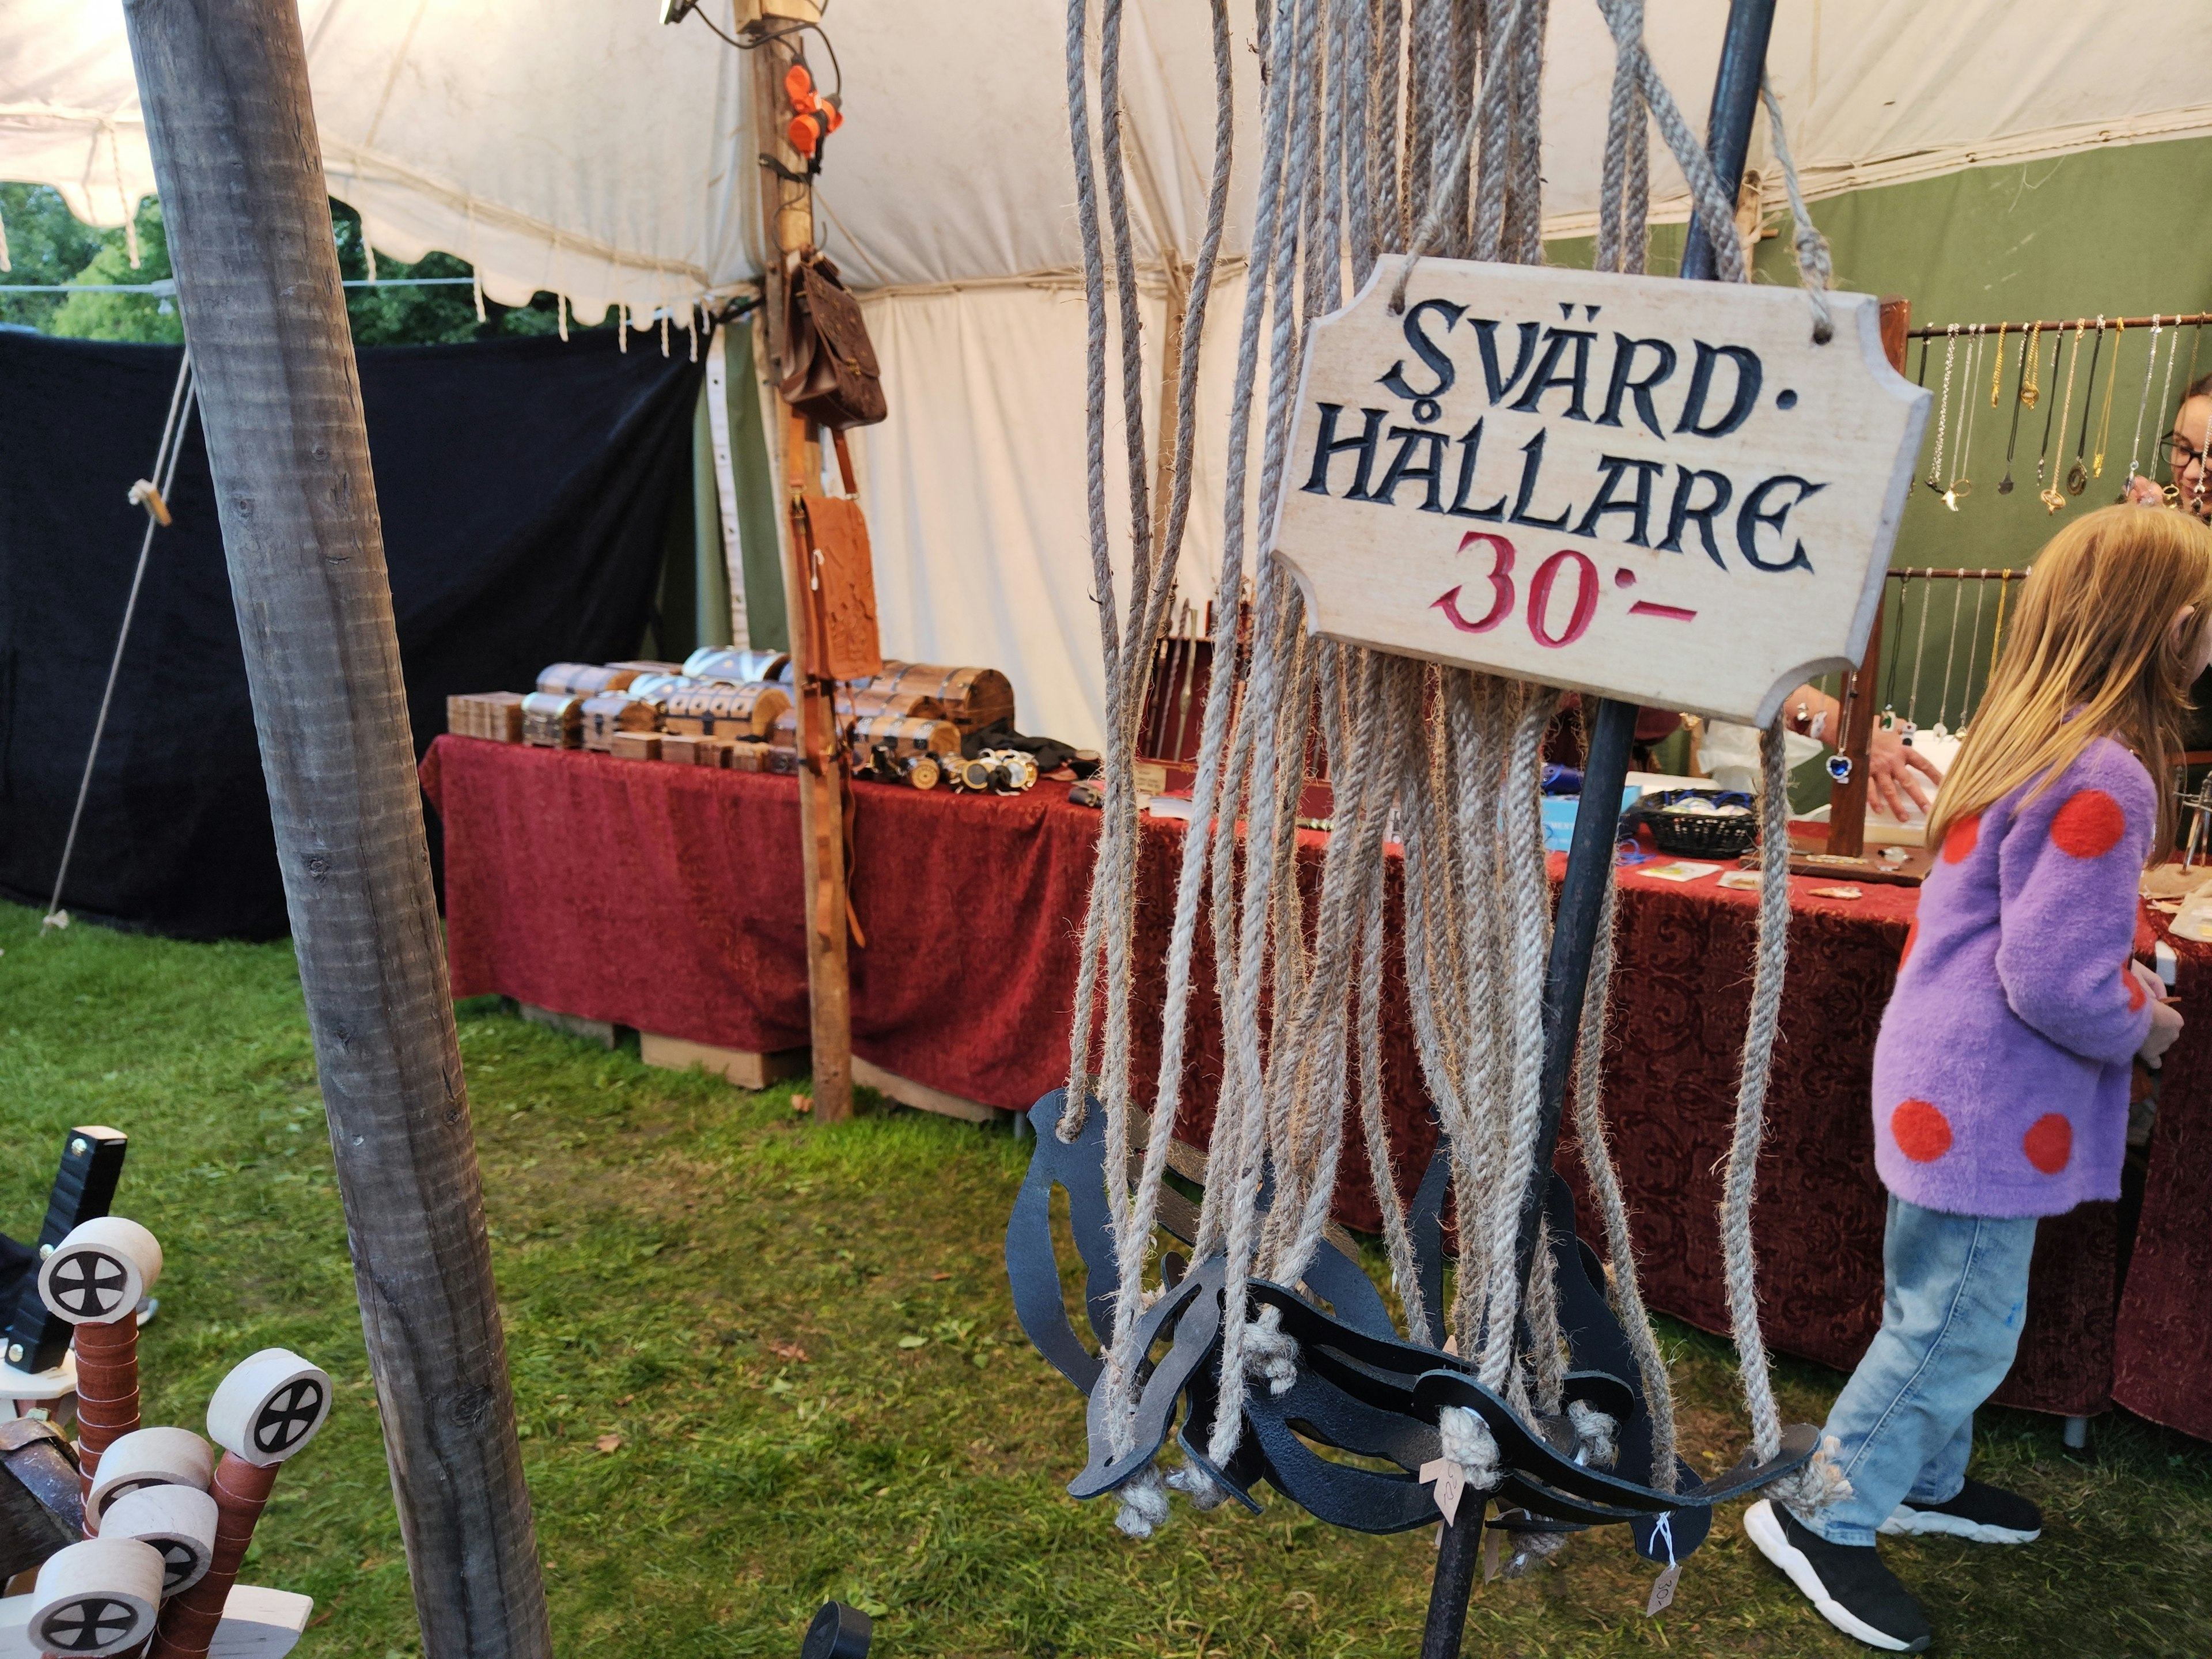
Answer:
(1944, 331)
(1597, 821)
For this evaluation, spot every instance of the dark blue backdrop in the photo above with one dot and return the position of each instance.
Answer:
(525, 488)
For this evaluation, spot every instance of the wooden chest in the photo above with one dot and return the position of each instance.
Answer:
(973, 699)
(583, 679)
(553, 719)
(613, 712)
(898, 736)
(864, 700)
(635, 745)
(494, 714)
(727, 663)
(745, 756)
(719, 710)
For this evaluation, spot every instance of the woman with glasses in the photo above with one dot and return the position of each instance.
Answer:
(2186, 446)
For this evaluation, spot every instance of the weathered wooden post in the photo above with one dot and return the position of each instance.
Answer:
(224, 84)
(789, 212)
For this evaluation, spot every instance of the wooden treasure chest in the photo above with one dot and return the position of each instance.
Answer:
(582, 679)
(635, 745)
(616, 711)
(656, 688)
(748, 756)
(719, 710)
(973, 699)
(553, 719)
(729, 664)
(862, 700)
(496, 716)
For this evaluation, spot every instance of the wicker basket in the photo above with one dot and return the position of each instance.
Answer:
(1700, 834)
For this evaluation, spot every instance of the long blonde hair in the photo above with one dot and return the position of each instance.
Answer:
(2090, 653)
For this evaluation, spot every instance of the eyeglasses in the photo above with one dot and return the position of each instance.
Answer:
(2185, 453)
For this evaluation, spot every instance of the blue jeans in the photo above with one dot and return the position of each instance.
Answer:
(1955, 1293)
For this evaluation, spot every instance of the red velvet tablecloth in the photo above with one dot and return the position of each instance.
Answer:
(667, 898)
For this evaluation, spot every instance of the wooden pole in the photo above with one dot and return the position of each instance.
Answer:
(1847, 801)
(788, 210)
(232, 128)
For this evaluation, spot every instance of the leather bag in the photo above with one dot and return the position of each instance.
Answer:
(830, 374)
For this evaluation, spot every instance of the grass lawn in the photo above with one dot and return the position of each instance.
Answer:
(759, 1364)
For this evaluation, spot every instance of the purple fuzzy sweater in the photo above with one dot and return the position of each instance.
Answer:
(2001, 1074)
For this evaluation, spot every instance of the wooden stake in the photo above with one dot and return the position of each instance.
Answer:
(1847, 801)
(232, 128)
(788, 210)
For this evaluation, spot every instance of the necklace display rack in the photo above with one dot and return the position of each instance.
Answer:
(1360, 1386)
(2036, 381)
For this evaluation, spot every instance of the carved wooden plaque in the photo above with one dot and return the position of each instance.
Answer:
(1647, 488)
(850, 646)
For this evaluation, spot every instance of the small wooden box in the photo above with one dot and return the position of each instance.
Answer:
(552, 720)
(635, 745)
(689, 749)
(759, 757)
(496, 716)
(614, 712)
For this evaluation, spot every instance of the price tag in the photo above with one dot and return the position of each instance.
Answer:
(1647, 488)
(1663, 1588)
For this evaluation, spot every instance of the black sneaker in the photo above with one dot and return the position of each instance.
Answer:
(1848, 1584)
(1979, 1514)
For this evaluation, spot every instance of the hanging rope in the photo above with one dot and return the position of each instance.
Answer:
(1353, 162)
(151, 493)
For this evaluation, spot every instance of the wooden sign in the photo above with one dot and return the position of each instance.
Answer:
(1647, 488)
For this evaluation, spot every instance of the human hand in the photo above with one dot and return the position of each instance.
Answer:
(2145, 493)
(2165, 1017)
(1890, 763)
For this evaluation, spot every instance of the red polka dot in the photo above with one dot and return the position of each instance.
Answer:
(1922, 1132)
(2049, 1143)
(2135, 993)
(1959, 841)
(1912, 939)
(2089, 826)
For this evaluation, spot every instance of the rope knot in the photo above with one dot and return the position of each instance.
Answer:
(1144, 1503)
(1597, 1431)
(1272, 1352)
(1815, 1484)
(1204, 1492)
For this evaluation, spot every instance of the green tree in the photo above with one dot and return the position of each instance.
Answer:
(48, 245)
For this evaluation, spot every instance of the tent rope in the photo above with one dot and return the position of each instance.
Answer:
(153, 494)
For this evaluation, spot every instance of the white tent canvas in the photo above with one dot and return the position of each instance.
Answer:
(580, 147)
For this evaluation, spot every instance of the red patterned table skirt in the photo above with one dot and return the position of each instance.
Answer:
(667, 898)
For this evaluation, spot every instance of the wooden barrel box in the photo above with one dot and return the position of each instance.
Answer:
(552, 720)
(972, 698)
(713, 710)
(736, 667)
(602, 716)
